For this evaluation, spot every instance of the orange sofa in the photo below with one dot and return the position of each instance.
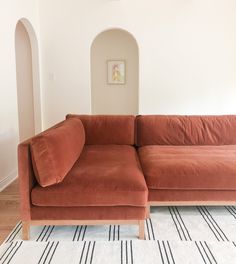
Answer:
(85, 172)
(111, 169)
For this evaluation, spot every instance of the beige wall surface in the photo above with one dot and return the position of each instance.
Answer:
(187, 54)
(114, 98)
(24, 75)
(10, 12)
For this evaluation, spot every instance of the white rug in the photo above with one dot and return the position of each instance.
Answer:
(173, 235)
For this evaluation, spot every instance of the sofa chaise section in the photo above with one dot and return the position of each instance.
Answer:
(104, 175)
(98, 183)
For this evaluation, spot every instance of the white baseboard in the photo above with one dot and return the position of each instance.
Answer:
(8, 180)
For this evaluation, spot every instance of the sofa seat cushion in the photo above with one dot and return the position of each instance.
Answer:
(104, 175)
(189, 167)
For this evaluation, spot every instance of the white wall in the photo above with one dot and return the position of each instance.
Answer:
(10, 12)
(107, 98)
(187, 53)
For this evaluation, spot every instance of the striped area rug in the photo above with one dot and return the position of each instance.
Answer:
(173, 235)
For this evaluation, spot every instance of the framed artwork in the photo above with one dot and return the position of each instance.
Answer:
(116, 72)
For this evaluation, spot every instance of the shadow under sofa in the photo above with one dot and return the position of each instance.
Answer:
(82, 173)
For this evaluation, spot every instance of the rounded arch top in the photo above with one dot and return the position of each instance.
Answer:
(30, 29)
(119, 29)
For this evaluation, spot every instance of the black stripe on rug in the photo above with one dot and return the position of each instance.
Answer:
(114, 233)
(92, 253)
(215, 224)
(76, 230)
(170, 251)
(209, 223)
(11, 256)
(10, 251)
(41, 233)
(87, 253)
(151, 225)
(82, 253)
(159, 247)
(205, 252)
(50, 232)
(131, 252)
(184, 228)
(109, 233)
(14, 233)
(175, 223)
(214, 260)
(45, 249)
(200, 252)
(81, 234)
(53, 252)
(48, 252)
(118, 233)
(126, 252)
(231, 211)
(150, 230)
(85, 229)
(147, 227)
(121, 252)
(7, 250)
(45, 233)
(80, 231)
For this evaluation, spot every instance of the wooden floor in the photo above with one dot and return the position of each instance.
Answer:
(9, 210)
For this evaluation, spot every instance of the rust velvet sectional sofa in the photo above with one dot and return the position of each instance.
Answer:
(111, 169)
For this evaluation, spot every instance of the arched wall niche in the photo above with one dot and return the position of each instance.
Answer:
(116, 45)
(28, 83)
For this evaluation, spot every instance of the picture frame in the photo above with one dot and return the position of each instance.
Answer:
(116, 72)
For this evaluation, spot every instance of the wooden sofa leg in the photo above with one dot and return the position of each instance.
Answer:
(148, 211)
(25, 230)
(141, 230)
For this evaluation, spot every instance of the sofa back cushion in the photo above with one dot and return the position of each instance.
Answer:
(186, 130)
(107, 129)
(55, 151)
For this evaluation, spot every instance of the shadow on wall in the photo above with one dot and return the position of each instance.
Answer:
(114, 47)
(7, 153)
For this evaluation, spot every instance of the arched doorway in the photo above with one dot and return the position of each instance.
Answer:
(113, 51)
(27, 75)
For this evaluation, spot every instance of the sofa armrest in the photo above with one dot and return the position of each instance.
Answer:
(26, 179)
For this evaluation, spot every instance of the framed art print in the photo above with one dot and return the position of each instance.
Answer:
(116, 72)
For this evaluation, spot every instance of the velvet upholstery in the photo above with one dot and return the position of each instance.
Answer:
(104, 175)
(27, 179)
(189, 167)
(183, 158)
(55, 151)
(186, 130)
(192, 196)
(105, 129)
(88, 213)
